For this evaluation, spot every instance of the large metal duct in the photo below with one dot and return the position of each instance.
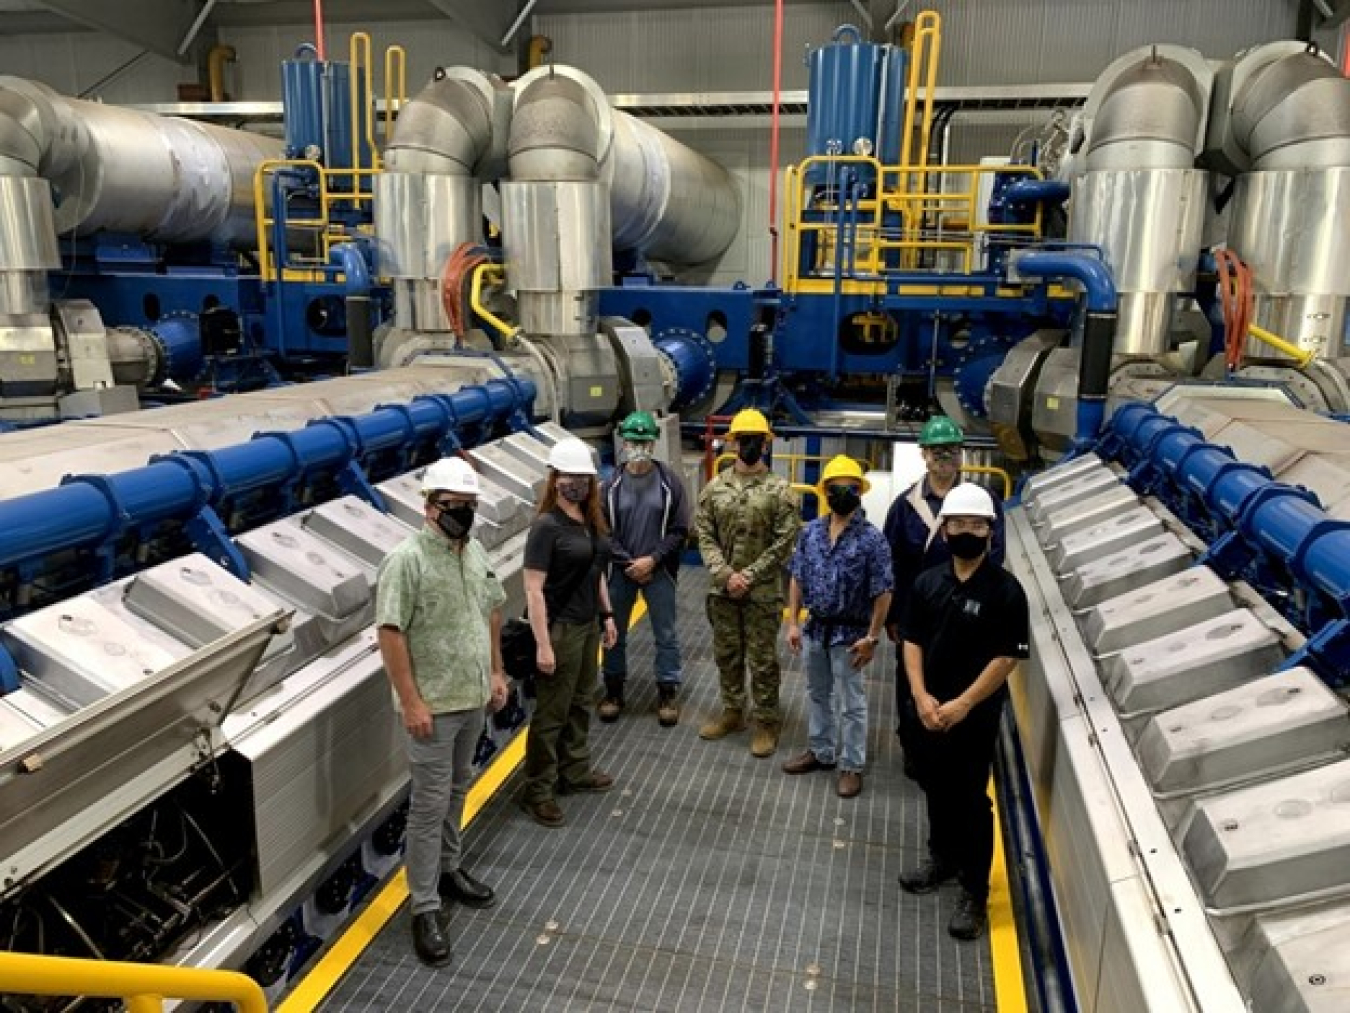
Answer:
(1282, 120)
(165, 179)
(1140, 199)
(428, 201)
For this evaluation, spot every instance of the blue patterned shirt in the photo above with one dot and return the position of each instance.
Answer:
(840, 582)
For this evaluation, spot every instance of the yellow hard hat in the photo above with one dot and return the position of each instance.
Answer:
(843, 466)
(749, 422)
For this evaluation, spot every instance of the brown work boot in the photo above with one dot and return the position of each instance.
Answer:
(610, 708)
(667, 706)
(805, 763)
(765, 740)
(850, 784)
(728, 722)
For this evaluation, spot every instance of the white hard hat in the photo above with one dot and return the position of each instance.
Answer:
(571, 457)
(451, 474)
(968, 500)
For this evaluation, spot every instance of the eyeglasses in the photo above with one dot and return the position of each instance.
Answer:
(961, 525)
(944, 453)
(450, 504)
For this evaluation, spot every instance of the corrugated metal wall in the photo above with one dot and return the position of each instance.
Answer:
(76, 61)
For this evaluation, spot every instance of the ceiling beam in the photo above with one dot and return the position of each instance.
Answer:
(486, 20)
(156, 25)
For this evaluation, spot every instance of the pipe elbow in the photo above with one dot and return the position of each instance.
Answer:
(215, 64)
(1094, 275)
(23, 138)
(446, 128)
(1294, 113)
(555, 132)
(355, 270)
(1150, 118)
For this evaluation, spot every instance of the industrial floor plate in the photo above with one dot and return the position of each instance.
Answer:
(707, 880)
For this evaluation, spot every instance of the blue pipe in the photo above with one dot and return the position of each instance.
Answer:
(1037, 191)
(88, 510)
(1093, 273)
(348, 256)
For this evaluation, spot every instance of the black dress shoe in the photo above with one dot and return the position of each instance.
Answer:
(462, 888)
(433, 949)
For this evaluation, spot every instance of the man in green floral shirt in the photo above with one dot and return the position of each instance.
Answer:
(438, 619)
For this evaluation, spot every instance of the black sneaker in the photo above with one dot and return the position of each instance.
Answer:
(970, 918)
(927, 877)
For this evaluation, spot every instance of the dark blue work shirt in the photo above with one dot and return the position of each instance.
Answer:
(840, 582)
(913, 551)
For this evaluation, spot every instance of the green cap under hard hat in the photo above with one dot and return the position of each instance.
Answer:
(940, 431)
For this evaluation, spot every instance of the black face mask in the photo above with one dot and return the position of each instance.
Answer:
(455, 521)
(843, 499)
(750, 449)
(967, 546)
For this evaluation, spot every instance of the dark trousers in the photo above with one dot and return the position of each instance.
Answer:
(953, 770)
(558, 747)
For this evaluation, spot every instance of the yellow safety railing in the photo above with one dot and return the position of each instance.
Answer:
(335, 187)
(871, 247)
(987, 469)
(922, 83)
(143, 987)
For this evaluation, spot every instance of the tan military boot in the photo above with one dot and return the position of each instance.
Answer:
(720, 727)
(764, 741)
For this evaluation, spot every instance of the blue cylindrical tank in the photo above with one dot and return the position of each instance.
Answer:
(855, 99)
(302, 104)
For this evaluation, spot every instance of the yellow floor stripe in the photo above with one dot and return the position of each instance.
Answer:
(314, 987)
(1010, 995)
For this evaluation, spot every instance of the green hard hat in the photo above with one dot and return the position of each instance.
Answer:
(940, 431)
(639, 426)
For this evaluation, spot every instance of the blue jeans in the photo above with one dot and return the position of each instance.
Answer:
(442, 767)
(659, 594)
(828, 668)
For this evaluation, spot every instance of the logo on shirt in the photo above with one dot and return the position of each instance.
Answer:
(971, 607)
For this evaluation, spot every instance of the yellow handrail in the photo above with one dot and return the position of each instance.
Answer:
(1301, 355)
(395, 86)
(923, 61)
(322, 225)
(362, 73)
(507, 332)
(142, 986)
(986, 469)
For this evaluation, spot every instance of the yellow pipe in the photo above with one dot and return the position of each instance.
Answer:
(215, 69)
(362, 72)
(540, 46)
(499, 325)
(142, 985)
(1300, 355)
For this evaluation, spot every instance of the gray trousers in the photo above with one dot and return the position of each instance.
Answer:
(442, 766)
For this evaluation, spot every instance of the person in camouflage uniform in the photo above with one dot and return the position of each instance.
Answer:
(747, 524)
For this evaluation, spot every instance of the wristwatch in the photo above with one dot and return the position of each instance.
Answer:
(870, 640)
(606, 615)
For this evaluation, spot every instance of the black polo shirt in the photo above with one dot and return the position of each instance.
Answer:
(964, 626)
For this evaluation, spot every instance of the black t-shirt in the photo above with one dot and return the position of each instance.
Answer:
(560, 547)
(964, 626)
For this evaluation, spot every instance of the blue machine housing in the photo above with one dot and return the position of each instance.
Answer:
(855, 93)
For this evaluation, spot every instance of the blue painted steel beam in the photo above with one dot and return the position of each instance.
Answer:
(87, 510)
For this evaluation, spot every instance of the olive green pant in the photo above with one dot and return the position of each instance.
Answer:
(558, 746)
(745, 636)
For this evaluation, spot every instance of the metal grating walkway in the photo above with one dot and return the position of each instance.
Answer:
(708, 880)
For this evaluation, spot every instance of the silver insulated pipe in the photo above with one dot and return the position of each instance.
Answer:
(111, 169)
(1284, 124)
(1141, 200)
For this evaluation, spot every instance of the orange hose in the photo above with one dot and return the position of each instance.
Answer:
(319, 47)
(1237, 300)
(459, 267)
